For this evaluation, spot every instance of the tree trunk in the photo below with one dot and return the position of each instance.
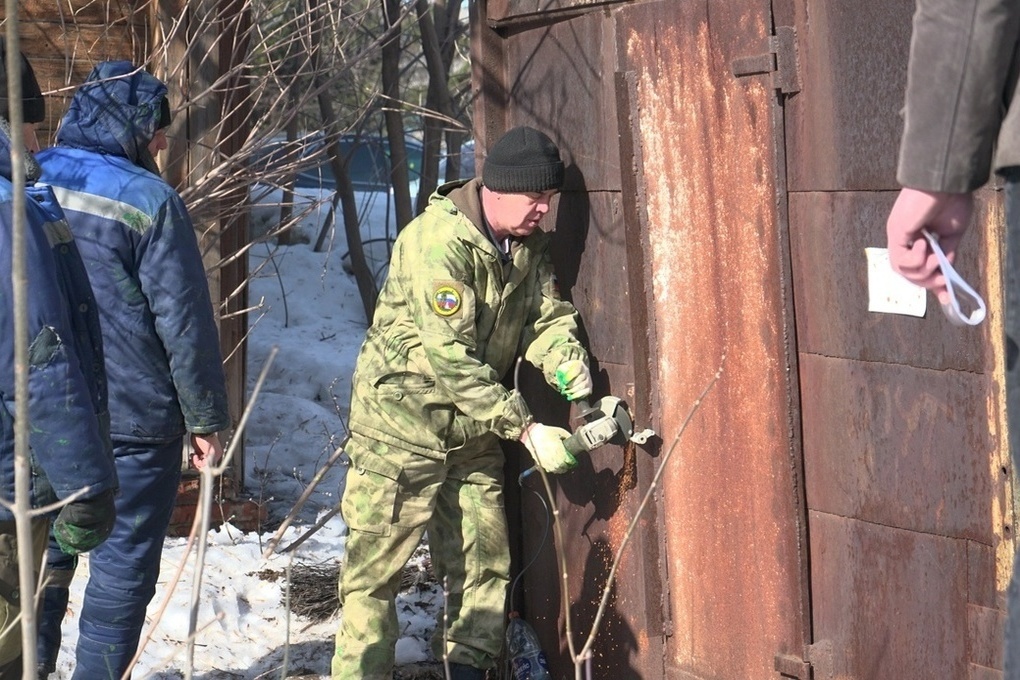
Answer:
(399, 177)
(349, 208)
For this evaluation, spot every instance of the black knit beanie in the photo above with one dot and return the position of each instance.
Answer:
(523, 161)
(33, 104)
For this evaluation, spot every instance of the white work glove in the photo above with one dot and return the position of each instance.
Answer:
(573, 378)
(546, 446)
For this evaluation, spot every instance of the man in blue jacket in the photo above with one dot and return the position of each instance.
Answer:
(961, 124)
(70, 454)
(162, 348)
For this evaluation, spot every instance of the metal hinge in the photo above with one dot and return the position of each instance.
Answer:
(789, 666)
(780, 61)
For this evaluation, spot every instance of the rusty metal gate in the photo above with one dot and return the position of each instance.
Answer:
(838, 506)
(906, 475)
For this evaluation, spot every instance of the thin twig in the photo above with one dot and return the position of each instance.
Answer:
(19, 280)
(283, 290)
(583, 658)
(558, 541)
(201, 519)
(169, 591)
(617, 558)
(446, 627)
(293, 545)
(205, 490)
(286, 645)
(319, 474)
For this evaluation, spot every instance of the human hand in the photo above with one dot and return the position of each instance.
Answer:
(545, 443)
(573, 378)
(944, 215)
(205, 450)
(83, 524)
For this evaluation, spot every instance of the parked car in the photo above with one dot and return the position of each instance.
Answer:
(467, 162)
(314, 189)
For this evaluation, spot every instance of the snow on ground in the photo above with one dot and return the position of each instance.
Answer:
(310, 311)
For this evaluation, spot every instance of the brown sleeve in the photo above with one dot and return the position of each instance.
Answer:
(961, 54)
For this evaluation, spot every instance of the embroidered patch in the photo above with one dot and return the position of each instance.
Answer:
(446, 301)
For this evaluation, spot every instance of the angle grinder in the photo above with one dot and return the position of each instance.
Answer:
(607, 422)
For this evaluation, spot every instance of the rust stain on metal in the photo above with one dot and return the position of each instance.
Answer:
(872, 586)
(903, 447)
(991, 216)
(628, 473)
(709, 184)
(910, 450)
(688, 151)
(846, 127)
(699, 173)
(832, 317)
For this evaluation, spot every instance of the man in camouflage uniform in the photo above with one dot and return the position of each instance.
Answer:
(470, 287)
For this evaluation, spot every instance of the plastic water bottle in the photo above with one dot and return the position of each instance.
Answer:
(526, 655)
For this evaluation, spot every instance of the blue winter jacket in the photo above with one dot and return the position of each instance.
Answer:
(67, 393)
(162, 348)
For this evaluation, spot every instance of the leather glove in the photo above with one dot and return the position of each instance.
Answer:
(545, 443)
(573, 378)
(85, 523)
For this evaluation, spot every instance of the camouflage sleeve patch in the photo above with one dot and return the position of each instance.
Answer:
(447, 297)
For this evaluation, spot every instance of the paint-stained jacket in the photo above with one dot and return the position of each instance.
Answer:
(960, 109)
(449, 323)
(138, 242)
(66, 390)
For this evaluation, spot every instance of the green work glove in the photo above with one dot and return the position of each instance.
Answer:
(573, 378)
(546, 446)
(85, 523)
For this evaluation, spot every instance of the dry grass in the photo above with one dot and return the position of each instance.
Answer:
(313, 587)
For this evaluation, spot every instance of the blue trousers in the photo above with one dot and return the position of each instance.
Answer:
(122, 571)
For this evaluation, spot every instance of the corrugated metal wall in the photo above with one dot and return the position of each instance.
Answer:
(839, 504)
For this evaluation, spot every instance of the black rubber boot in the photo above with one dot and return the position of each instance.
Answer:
(54, 604)
(459, 671)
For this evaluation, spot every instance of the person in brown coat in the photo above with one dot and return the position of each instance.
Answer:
(961, 122)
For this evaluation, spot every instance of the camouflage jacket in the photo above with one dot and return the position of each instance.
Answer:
(449, 323)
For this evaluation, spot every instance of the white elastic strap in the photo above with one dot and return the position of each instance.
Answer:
(953, 281)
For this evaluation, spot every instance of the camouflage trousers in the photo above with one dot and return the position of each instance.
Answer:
(10, 595)
(392, 496)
